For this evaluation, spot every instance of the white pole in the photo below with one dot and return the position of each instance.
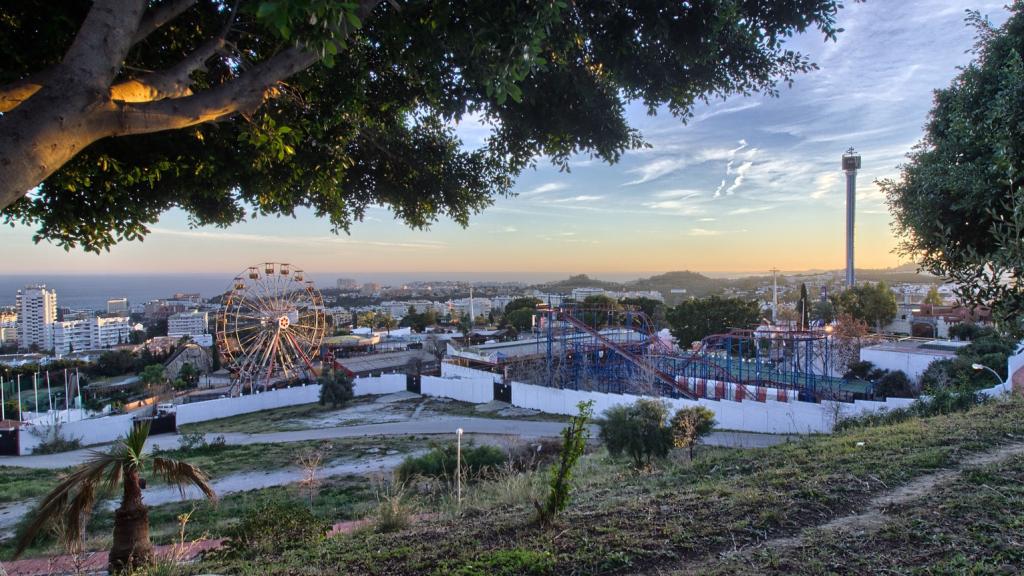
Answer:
(3, 409)
(35, 390)
(67, 394)
(78, 388)
(458, 466)
(21, 415)
(49, 397)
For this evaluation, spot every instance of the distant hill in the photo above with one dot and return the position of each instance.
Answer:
(695, 284)
(579, 281)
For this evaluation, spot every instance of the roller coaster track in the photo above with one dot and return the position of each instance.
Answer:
(627, 355)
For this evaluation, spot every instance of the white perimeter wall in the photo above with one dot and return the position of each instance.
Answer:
(477, 386)
(110, 428)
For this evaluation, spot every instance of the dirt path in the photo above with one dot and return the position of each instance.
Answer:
(874, 517)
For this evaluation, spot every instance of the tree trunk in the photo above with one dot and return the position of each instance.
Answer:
(131, 548)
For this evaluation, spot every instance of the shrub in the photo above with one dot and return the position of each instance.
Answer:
(440, 462)
(640, 431)
(336, 389)
(514, 562)
(574, 441)
(270, 528)
(895, 384)
(689, 425)
(196, 442)
(393, 511)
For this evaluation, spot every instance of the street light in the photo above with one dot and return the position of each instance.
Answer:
(458, 466)
(977, 366)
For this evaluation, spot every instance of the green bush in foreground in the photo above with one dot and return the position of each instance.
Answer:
(269, 529)
(574, 442)
(639, 430)
(689, 425)
(441, 462)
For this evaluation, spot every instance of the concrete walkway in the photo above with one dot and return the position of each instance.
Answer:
(444, 425)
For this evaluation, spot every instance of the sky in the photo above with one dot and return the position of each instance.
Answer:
(748, 184)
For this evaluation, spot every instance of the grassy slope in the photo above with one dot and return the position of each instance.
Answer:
(622, 521)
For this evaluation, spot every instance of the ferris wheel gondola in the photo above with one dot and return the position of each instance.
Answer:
(270, 326)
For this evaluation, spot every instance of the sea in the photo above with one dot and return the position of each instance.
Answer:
(87, 292)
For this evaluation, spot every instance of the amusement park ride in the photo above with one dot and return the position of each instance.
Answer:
(619, 351)
(270, 326)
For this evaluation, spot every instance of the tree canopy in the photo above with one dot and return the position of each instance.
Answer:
(114, 111)
(874, 304)
(692, 320)
(958, 203)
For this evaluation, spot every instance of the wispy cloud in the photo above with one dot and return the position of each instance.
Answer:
(656, 169)
(544, 189)
(751, 210)
(704, 232)
(309, 241)
(727, 110)
(580, 198)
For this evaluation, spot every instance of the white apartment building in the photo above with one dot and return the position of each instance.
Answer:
(90, 334)
(36, 306)
(192, 323)
(117, 306)
(8, 333)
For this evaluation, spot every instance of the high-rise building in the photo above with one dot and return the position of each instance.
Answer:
(117, 306)
(347, 284)
(37, 311)
(192, 323)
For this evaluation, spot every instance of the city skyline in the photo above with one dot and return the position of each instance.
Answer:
(749, 184)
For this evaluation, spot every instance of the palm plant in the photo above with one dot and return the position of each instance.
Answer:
(69, 505)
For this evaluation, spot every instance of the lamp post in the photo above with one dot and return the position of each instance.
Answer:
(458, 466)
(977, 366)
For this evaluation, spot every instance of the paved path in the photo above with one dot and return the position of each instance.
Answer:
(434, 426)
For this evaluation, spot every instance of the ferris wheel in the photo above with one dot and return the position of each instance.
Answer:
(270, 326)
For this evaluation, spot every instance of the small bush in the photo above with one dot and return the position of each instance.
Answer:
(196, 442)
(689, 425)
(336, 389)
(640, 431)
(514, 562)
(895, 385)
(940, 401)
(441, 463)
(269, 529)
(393, 511)
(574, 441)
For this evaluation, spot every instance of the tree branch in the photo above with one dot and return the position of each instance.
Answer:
(14, 93)
(99, 48)
(175, 82)
(159, 16)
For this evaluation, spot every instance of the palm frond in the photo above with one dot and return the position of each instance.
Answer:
(70, 501)
(135, 443)
(181, 474)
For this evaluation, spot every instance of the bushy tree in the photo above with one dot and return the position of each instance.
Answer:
(874, 304)
(692, 320)
(527, 303)
(823, 311)
(152, 375)
(894, 384)
(639, 430)
(336, 388)
(958, 205)
(689, 425)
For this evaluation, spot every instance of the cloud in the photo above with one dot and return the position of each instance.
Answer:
(544, 189)
(309, 241)
(751, 210)
(824, 184)
(656, 169)
(728, 110)
(741, 174)
(708, 219)
(704, 232)
(675, 206)
(580, 198)
(678, 194)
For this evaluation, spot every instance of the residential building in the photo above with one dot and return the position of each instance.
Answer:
(347, 284)
(117, 306)
(192, 323)
(8, 333)
(37, 311)
(369, 289)
(90, 334)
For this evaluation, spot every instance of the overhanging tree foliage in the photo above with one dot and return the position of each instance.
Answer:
(958, 204)
(119, 110)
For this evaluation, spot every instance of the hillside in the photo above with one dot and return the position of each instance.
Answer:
(934, 495)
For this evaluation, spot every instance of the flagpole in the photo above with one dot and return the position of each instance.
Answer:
(3, 408)
(67, 394)
(21, 415)
(49, 397)
(35, 390)
(78, 388)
